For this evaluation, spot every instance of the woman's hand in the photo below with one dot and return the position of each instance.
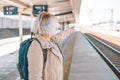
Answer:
(72, 29)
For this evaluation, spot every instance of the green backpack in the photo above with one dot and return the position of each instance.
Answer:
(22, 64)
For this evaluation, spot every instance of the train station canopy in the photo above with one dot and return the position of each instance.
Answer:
(64, 10)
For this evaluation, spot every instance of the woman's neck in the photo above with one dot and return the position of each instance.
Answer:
(46, 36)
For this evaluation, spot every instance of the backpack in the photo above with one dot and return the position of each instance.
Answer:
(22, 64)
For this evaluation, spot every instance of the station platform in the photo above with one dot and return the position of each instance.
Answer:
(84, 63)
(87, 64)
(10, 45)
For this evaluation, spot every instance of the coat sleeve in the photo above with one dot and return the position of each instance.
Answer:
(35, 61)
(62, 35)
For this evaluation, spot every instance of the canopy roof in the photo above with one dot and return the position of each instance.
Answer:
(64, 10)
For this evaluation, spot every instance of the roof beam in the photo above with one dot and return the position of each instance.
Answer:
(66, 8)
(65, 16)
(60, 7)
(66, 20)
(59, 4)
(76, 7)
(21, 3)
(70, 12)
(55, 1)
(58, 11)
(16, 3)
(3, 3)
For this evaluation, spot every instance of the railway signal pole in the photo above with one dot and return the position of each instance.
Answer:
(111, 17)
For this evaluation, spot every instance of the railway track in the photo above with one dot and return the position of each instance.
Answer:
(108, 53)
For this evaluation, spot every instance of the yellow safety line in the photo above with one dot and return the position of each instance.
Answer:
(69, 59)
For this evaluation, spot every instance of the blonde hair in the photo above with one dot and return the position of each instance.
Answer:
(45, 24)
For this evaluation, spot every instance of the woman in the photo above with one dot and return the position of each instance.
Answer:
(45, 31)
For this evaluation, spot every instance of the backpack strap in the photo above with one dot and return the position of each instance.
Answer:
(44, 50)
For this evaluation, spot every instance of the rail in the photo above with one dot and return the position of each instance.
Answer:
(108, 57)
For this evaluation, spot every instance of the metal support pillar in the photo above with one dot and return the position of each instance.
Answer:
(31, 22)
(20, 25)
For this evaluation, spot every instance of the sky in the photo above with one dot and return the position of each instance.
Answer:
(93, 11)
